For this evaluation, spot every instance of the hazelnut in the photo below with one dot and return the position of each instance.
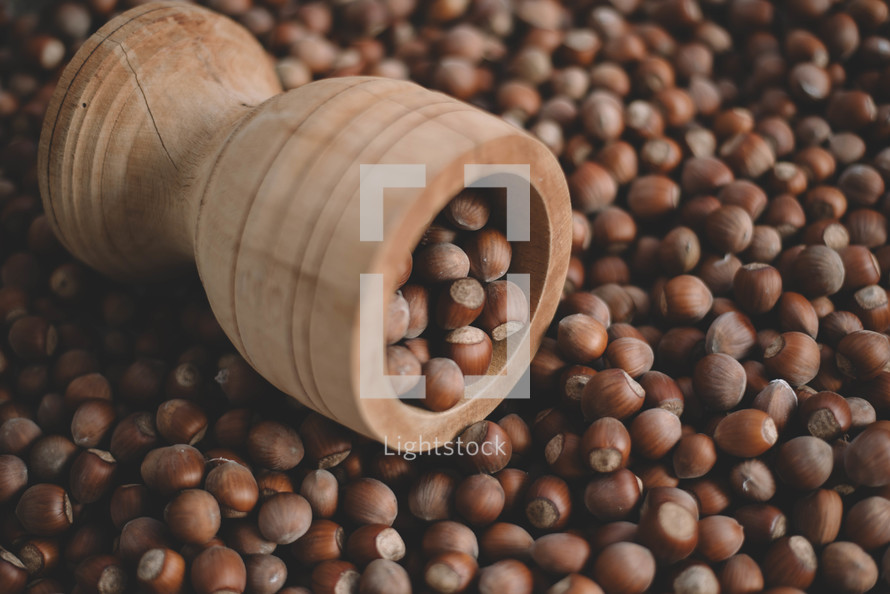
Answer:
(505, 311)
(161, 570)
(866, 523)
(284, 517)
(612, 496)
(611, 393)
(581, 338)
(45, 510)
(845, 567)
(605, 445)
(193, 516)
(746, 433)
(446, 536)
(441, 262)
(470, 348)
(172, 468)
(444, 384)
(323, 541)
(218, 569)
(548, 504)
(489, 254)
(369, 501)
(790, 562)
(794, 357)
(719, 381)
(804, 462)
(684, 299)
(508, 575)
(652, 196)
(505, 541)
(818, 515)
(469, 210)
(374, 541)
(560, 552)
(479, 499)
(624, 567)
(719, 537)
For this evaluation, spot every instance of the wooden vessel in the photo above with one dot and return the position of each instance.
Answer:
(169, 144)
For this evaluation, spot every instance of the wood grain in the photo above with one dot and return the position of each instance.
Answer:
(168, 142)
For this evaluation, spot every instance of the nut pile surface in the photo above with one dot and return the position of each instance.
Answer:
(710, 410)
(453, 300)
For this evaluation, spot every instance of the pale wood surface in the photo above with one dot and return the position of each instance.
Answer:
(187, 152)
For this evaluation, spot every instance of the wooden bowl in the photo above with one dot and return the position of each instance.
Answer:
(169, 143)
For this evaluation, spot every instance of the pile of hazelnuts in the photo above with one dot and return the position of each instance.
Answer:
(710, 408)
(453, 301)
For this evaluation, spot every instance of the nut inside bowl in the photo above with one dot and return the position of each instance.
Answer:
(538, 267)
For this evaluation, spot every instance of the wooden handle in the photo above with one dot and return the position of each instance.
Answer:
(168, 142)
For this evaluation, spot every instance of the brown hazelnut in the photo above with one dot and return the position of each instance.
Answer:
(161, 570)
(469, 210)
(444, 384)
(505, 311)
(654, 432)
(431, 496)
(548, 504)
(625, 567)
(684, 299)
(592, 187)
(652, 196)
(732, 334)
(605, 445)
(218, 569)
(763, 523)
(581, 338)
(790, 562)
(441, 262)
(508, 575)
(470, 348)
(794, 357)
(746, 433)
(172, 468)
(92, 474)
(101, 573)
(479, 498)
(633, 355)
(826, 415)
(447, 536)
(323, 541)
(694, 456)
(818, 515)
(612, 496)
(804, 462)
(719, 381)
(845, 567)
(274, 446)
(193, 516)
(234, 487)
(611, 393)
(284, 517)
(669, 530)
(374, 541)
(45, 510)
(719, 537)
(383, 576)
(867, 458)
(866, 523)
(369, 501)
(560, 552)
